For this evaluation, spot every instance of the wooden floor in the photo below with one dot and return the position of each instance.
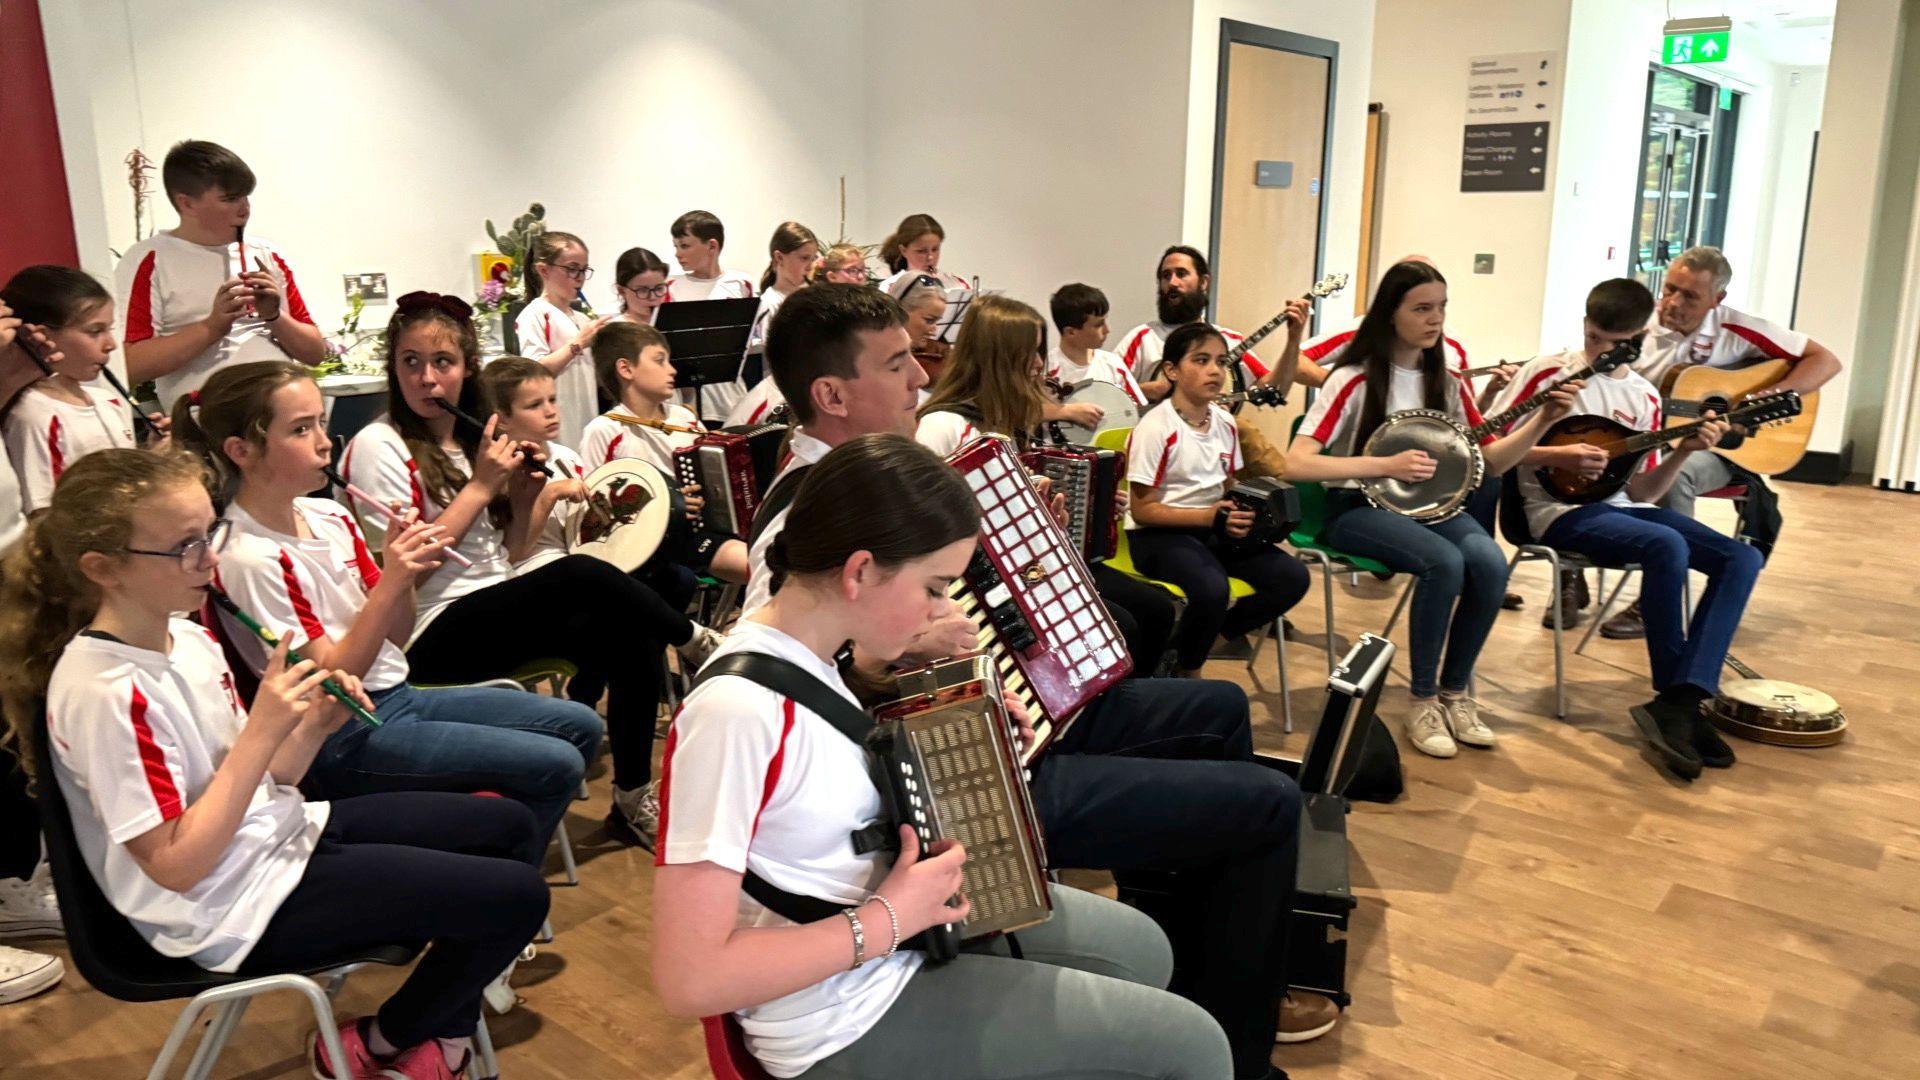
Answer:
(1552, 908)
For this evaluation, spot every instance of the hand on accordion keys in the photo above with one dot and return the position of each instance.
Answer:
(695, 502)
(1022, 720)
(1056, 501)
(925, 892)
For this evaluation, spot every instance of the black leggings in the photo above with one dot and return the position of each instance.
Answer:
(1143, 612)
(19, 821)
(607, 624)
(412, 867)
(1199, 562)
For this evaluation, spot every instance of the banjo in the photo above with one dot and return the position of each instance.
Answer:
(1331, 285)
(624, 516)
(1459, 463)
(1775, 712)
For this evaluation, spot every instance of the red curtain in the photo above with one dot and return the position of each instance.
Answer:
(33, 182)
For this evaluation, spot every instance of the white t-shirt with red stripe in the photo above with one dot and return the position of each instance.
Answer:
(1726, 339)
(45, 435)
(752, 781)
(1190, 467)
(13, 516)
(165, 284)
(305, 588)
(947, 281)
(1327, 349)
(607, 439)
(1101, 366)
(1333, 420)
(137, 736)
(1620, 395)
(552, 543)
(544, 328)
(379, 462)
(758, 402)
(802, 449)
(944, 432)
(1140, 350)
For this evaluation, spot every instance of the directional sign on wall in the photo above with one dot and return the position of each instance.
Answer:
(1511, 99)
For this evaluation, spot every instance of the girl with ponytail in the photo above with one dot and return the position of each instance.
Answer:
(302, 566)
(757, 782)
(482, 622)
(553, 332)
(186, 804)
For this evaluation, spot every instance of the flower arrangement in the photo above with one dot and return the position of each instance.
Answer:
(351, 350)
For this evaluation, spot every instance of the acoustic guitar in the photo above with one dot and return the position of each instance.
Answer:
(1694, 388)
(1626, 447)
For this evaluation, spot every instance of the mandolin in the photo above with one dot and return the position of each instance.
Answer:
(1626, 447)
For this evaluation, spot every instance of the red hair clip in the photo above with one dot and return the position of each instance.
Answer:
(193, 399)
(451, 306)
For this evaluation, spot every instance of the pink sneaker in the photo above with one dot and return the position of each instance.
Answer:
(426, 1062)
(361, 1063)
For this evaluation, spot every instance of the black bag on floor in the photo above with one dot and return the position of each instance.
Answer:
(1376, 771)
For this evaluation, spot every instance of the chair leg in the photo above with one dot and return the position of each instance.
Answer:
(1280, 661)
(219, 1031)
(1406, 595)
(1559, 639)
(483, 1054)
(546, 932)
(1326, 587)
(565, 842)
(1601, 615)
(176, 1038)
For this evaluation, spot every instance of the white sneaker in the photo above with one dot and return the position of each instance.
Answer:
(498, 995)
(635, 817)
(28, 907)
(695, 652)
(24, 974)
(1463, 716)
(1427, 731)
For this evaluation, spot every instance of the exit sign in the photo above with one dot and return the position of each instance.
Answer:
(1696, 48)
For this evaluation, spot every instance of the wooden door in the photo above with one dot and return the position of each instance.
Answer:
(1268, 230)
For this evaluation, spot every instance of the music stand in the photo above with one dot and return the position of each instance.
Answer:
(947, 327)
(707, 340)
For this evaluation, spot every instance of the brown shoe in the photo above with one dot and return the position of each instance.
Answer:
(1513, 601)
(1304, 1017)
(1626, 625)
(1573, 589)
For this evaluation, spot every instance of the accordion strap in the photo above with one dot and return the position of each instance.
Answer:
(778, 498)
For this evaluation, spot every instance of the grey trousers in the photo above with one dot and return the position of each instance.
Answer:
(1086, 1002)
(1699, 473)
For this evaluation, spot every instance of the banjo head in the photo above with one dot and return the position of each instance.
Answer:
(1458, 465)
(1779, 713)
(624, 516)
(1116, 408)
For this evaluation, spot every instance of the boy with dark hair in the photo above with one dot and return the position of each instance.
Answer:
(1626, 528)
(698, 237)
(1183, 285)
(203, 294)
(1080, 314)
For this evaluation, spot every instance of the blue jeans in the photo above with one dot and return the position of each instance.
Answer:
(1666, 544)
(1158, 775)
(1454, 561)
(528, 747)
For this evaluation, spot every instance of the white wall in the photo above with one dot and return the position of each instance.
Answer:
(384, 134)
(1047, 138)
(1349, 23)
(1420, 66)
(1796, 118)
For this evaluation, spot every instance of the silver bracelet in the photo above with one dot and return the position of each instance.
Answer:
(894, 918)
(859, 937)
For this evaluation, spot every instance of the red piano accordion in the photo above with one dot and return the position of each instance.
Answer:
(1047, 631)
(1090, 479)
(722, 464)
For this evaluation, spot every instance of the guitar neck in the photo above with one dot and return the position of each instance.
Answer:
(1234, 354)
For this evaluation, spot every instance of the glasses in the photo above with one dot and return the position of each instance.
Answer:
(193, 554)
(651, 292)
(577, 273)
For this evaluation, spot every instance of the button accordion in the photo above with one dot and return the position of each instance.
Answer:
(1090, 478)
(722, 464)
(952, 771)
(1048, 633)
(1275, 505)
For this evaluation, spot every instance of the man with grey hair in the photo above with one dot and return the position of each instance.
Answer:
(1691, 325)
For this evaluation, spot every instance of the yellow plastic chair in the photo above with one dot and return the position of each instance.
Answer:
(1122, 560)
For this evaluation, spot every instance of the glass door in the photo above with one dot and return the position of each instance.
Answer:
(1683, 182)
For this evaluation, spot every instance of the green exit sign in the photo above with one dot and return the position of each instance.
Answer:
(1696, 48)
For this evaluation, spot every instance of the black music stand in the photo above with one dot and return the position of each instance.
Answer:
(707, 340)
(947, 327)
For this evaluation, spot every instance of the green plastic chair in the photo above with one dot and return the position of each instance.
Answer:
(1306, 540)
(1122, 560)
